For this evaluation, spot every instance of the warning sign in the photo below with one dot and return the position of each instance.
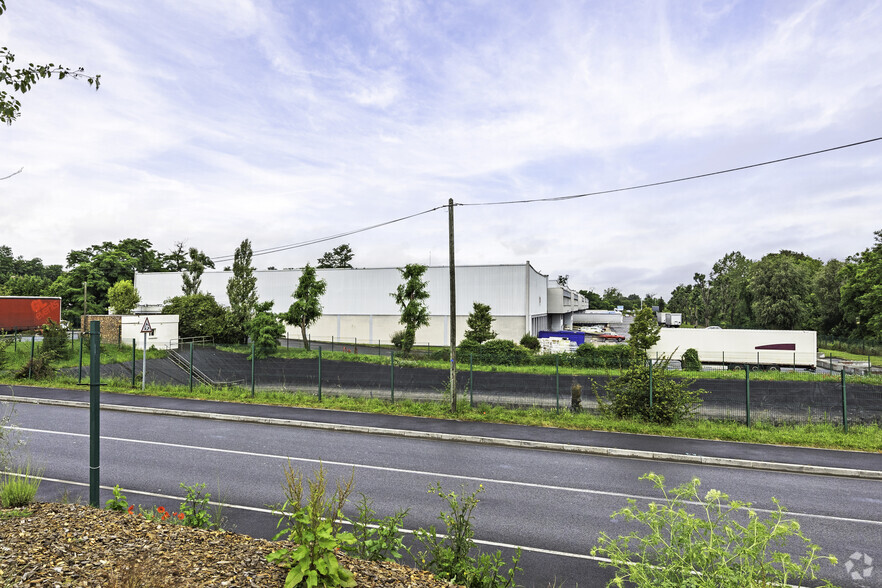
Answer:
(146, 328)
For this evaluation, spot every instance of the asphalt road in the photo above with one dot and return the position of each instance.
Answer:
(551, 503)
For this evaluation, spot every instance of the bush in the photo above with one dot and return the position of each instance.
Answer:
(711, 550)
(495, 352)
(628, 396)
(604, 356)
(398, 339)
(38, 368)
(530, 342)
(689, 361)
(55, 342)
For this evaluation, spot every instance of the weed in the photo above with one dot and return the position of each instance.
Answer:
(118, 502)
(20, 488)
(314, 526)
(376, 539)
(711, 550)
(449, 557)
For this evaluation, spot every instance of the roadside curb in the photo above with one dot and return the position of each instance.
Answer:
(493, 441)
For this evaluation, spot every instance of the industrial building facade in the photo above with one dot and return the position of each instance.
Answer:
(358, 303)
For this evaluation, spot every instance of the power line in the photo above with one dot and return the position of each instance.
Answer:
(223, 258)
(662, 183)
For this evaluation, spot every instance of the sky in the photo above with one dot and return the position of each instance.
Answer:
(288, 121)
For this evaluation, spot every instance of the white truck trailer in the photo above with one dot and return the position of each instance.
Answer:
(669, 319)
(735, 348)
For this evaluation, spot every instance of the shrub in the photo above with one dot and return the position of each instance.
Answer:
(448, 556)
(313, 525)
(711, 550)
(689, 361)
(55, 342)
(37, 368)
(495, 352)
(20, 488)
(398, 339)
(603, 356)
(628, 396)
(530, 342)
(376, 539)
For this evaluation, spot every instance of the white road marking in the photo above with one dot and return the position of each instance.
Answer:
(433, 475)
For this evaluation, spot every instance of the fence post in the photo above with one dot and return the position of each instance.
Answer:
(332, 342)
(557, 382)
(471, 382)
(191, 367)
(80, 379)
(33, 343)
(747, 393)
(355, 345)
(650, 383)
(252, 369)
(320, 373)
(392, 376)
(94, 411)
(15, 340)
(844, 407)
(71, 339)
(134, 348)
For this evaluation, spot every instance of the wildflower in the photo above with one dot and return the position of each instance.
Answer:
(181, 516)
(160, 509)
(131, 509)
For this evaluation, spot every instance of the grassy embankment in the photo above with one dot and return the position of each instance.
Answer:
(859, 437)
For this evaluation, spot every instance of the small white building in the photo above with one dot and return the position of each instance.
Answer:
(358, 303)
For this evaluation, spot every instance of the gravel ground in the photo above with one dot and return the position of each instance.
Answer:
(75, 545)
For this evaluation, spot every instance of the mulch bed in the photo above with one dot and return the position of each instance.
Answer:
(76, 545)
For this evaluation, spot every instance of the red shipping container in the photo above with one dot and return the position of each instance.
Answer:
(28, 312)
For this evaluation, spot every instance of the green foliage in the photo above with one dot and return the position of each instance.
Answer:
(340, 257)
(398, 339)
(313, 525)
(307, 307)
(603, 356)
(19, 488)
(55, 342)
(242, 287)
(714, 549)
(479, 324)
(689, 361)
(193, 270)
(780, 285)
(449, 556)
(118, 502)
(644, 332)
(628, 396)
(265, 330)
(495, 352)
(410, 298)
(376, 539)
(5, 344)
(531, 342)
(195, 507)
(123, 297)
(862, 291)
(37, 368)
(201, 316)
(25, 286)
(22, 79)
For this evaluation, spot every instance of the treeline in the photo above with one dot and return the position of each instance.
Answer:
(788, 290)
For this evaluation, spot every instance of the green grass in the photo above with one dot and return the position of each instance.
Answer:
(19, 489)
(874, 359)
(859, 437)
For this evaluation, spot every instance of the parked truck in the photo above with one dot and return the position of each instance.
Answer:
(737, 348)
(669, 319)
(28, 313)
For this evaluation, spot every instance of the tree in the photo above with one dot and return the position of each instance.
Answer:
(701, 298)
(595, 302)
(729, 296)
(479, 322)
(242, 287)
(643, 333)
(862, 291)
(780, 286)
(410, 297)
(23, 79)
(25, 286)
(123, 297)
(307, 307)
(176, 261)
(339, 257)
(200, 315)
(264, 329)
(563, 281)
(192, 273)
(828, 318)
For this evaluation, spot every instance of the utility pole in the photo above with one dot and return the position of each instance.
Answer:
(452, 309)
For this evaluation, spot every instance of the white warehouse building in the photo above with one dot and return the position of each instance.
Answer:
(358, 303)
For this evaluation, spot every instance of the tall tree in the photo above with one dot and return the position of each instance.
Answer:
(729, 296)
(410, 297)
(479, 324)
(828, 318)
(242, 287)
(22, 79)
(25, 286)
(192, 274)
(701, 298)
(339, 257)
(176, 260)
(643, 333)
(307, 307)
(862, 291)
(780, 284)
